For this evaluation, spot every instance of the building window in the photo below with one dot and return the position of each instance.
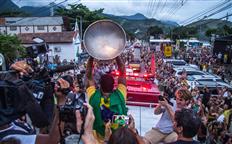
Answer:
(27, 28)
(40, 27)
(13, 28)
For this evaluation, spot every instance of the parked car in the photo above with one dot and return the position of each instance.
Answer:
(189, 72)
(210, 81)
(179, 63)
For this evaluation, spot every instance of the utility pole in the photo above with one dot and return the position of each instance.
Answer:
(227, 16)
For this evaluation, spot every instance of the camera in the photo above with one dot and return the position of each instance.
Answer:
(67, 114)
(34, 50)
(73, 102)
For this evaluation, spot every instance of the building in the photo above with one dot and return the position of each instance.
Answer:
(18, 25)
(223, 45)
(60, 43)
(51, 29)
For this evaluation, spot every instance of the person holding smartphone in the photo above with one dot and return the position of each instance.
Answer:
(163, 131)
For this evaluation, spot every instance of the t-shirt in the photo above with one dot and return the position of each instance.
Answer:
(23, 138)
(165, 124)
(185, 142)
(104, 108)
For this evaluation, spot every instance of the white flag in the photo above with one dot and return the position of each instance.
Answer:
(76, 36)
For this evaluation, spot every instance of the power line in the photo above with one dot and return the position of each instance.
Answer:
(168, 11)
(183, 2)
(152, 7)
(39, 11)
(149, 6)
(213, 20)
(220, 10)
(173, 7)
(165, 3)
(197, 16)
(157, 7)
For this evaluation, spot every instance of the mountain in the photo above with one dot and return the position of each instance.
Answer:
(210, 23)
(137, 16)
(137, 26)
(36, 11)
(8, 5)
(171, 23)
(204, 25)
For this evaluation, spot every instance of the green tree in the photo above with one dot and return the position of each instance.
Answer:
(79, 10)
(179, 33)
(155, 31)
(227, 30)
(11, 48)
(130, 35)
(184, 32)
(209, 32)
(14, 14)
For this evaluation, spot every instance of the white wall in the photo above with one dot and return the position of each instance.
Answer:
(22, 29)
(57, 29)
(67, 51)
(2, 29)
(17, 31)
(26, 29)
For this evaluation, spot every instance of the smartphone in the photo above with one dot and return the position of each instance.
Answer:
(121, 119)
(161, 98)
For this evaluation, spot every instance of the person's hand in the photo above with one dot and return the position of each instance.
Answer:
(89, 119)
(132, 124)
(87, 137)
(108, 131)
(164, 103)
(63, 84)
(22, 67)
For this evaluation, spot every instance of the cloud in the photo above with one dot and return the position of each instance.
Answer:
(159, 9)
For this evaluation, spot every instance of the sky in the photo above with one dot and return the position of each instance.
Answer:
(173, 10)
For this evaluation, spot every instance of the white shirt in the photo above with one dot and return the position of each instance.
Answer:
(24, 139)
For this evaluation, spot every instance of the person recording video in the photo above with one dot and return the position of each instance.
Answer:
(106, 101)
(163, 131)
(23, 103)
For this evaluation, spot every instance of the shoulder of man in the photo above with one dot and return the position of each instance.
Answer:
(17, 130)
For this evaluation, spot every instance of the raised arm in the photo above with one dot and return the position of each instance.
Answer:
(89, 70)
(122, 71)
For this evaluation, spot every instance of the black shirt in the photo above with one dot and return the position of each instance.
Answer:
(185, 142)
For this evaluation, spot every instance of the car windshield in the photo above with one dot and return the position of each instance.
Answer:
(190, 78)
(219, 80)
(205, 80)
(178, 63)
(207, 83)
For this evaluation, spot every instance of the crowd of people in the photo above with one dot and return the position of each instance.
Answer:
(187, 116)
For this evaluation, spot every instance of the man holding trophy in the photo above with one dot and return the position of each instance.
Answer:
(106, 101)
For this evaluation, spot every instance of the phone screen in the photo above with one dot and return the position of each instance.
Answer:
(121, 119)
